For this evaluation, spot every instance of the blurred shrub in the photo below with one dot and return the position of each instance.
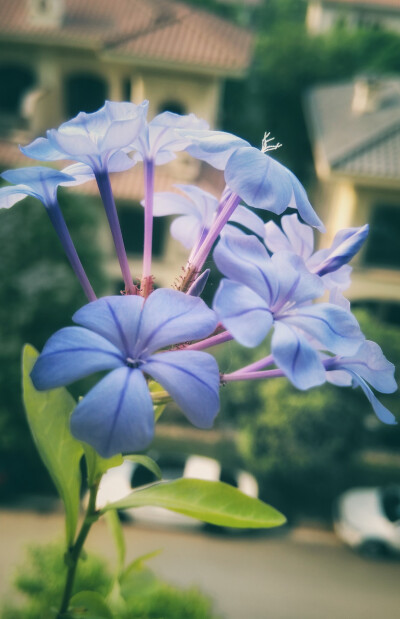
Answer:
(301, 445)
(38, 295)
(41, 580)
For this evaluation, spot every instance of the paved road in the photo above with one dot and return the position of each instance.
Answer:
(303, 575)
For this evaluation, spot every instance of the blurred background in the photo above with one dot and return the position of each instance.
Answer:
(323, 76)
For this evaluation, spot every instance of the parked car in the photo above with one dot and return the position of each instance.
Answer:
(119, 481)
(368, 519)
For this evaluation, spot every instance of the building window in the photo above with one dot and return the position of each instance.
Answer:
(172, 106)
(17, 81)
(131, 218)
(84, 93)
(383, 247)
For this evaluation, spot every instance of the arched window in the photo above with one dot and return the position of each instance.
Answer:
(172, 106)
(84, 93)
(16, 81)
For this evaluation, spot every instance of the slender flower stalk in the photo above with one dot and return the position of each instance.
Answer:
(239, 375)
(250, 372)
(73, 554)
(147, 282)
(198, 259)
(214, 340)
(104, 185)
(201, 256)
(257, 365)
(57, 219)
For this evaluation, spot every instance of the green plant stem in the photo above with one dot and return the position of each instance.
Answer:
(74, 552)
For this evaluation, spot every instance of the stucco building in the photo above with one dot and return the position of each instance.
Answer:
(322, 15)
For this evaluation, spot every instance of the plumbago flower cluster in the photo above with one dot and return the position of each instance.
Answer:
(153, 343)
(272, 278)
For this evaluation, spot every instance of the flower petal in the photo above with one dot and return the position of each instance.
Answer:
(11, 195)
(116, 415)
(245, 217)
(243, 312)
(370, 363)
(275, 239)
(172, 317)
(345, 245)
(187, 230)
(192, 380)
(259, 180)
(296, 357)
(214, 147)
(116, 318)
(169, 203)
(125, 121)
(42, 149)
(300, 236)
(73, 353)
(300, 201)
(335, 328)
(380, 411)
(244, 259)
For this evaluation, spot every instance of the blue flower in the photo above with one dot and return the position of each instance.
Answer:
(122, 334)
(259, 180)
(264, 292)
(93, 139)
(367, 367)
(263, 182)
(330, 264)
(164, 135)
(39, 182)
(197, 210)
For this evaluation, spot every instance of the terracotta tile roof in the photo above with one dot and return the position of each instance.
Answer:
(374, 4)
(148, 30)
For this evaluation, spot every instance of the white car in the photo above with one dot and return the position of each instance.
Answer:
(368, 519)
(118, 482)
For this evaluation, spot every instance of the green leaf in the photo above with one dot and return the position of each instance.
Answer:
(137, 564)
(147, 462)
(96, 465)
(160, 398)
(115, 527)
(48, 414)
(90, 605)
(210, 501)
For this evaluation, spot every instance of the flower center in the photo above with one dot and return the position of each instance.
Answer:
(132, 363)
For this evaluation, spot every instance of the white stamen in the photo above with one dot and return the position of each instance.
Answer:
(265, 146)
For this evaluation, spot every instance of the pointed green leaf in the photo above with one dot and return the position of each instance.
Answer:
(115, 527)
(148, 463)
(210, 501)
(96, 465)
(137, 564)
(48, 414)
(90, 605)
(160, 398)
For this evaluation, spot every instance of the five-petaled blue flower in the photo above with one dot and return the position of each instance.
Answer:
(122, 334)
(264, 292)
